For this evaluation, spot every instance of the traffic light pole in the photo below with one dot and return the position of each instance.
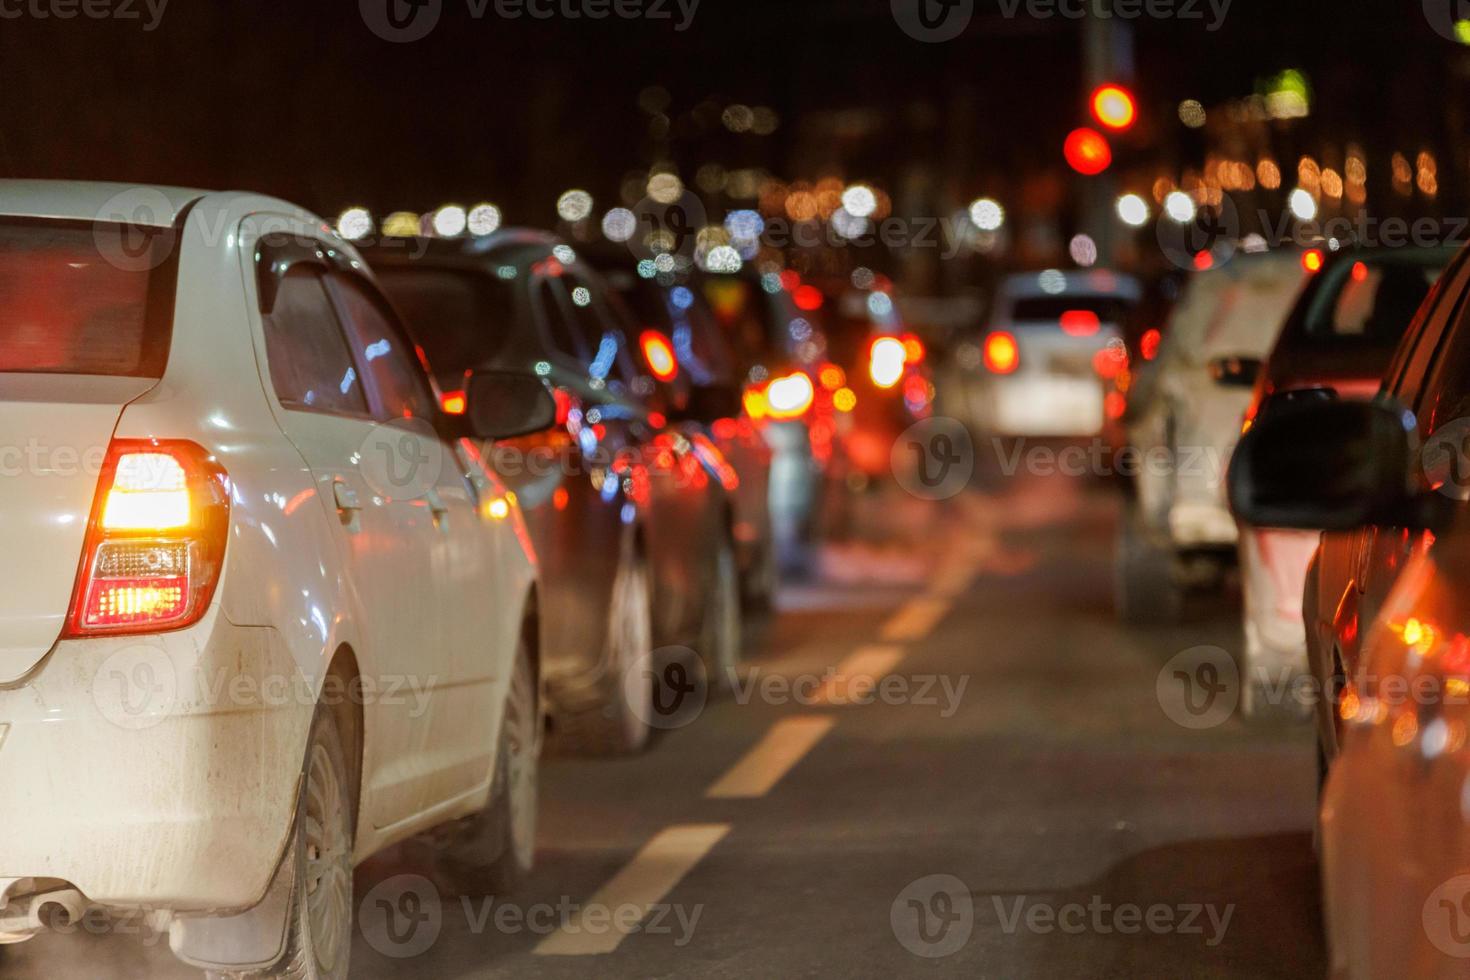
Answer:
(1107, 56)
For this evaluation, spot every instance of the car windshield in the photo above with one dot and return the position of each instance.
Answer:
(85, 298)
(462, 320)
(1372, 299)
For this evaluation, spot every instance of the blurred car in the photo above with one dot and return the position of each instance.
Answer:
(633, 520)
(1336, 344)
(1128, 377)
(778, 350)
(1038, 370)
(684, 348)
(1353, 570)
(886, 385)
(1177, 530)
(197, 602)
(1395, 838)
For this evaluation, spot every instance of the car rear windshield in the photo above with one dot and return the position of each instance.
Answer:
(1372, 299)
(1049, 309)
(463, 320)
(87, 297)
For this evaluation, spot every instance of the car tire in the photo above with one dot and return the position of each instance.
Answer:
(617, 724)
(494, 850)
(1146, 586)
(722, 635)
(319, 928)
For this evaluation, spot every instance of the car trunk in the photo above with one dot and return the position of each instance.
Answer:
(54, 432)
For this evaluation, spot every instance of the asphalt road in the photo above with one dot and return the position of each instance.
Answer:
(1015, 801)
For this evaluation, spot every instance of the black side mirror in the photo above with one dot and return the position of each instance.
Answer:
(707, 404)
(1235, 372)
(506, 404)
(1333, 466)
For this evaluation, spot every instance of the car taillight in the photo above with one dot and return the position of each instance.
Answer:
(658, 354)
(790, 397)
(156, 541)
(886, 361)
(453, 402)
(1002, 356)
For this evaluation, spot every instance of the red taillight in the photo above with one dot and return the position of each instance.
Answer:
(1001, 354)
(1080, 323)
(1148, 346)
(453, 402)
(658, 354)
(156, 541)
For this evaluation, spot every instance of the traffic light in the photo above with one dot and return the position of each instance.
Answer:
(1113, 106)
(1088, 152)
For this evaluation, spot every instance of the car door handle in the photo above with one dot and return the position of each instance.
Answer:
(348, 506)
(438, 508)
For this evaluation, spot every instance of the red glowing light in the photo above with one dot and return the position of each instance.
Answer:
(808, 298)
(1087, 152)
(1080, 323)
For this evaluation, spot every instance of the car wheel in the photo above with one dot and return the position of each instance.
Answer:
(721, 637)
(319, 929)
(497, 847)
(618, 724)
(1146, 586)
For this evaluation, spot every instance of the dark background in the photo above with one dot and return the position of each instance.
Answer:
(301, 100)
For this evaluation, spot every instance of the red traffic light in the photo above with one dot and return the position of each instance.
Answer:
(1113, 106)
(1088, 152)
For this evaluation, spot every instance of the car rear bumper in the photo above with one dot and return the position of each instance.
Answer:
(155, 772)
(1043, 405)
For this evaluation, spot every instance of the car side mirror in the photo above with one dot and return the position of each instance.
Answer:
(709, 403)
(1235, 372)
(1333, 466)
(506, 404)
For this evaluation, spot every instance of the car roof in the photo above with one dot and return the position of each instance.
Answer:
(1089, 282)
(143, 204)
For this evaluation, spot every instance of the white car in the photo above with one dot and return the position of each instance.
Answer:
(1183, 421)
(1039, 367)
(264, 613)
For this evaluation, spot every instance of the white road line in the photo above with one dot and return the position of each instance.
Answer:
(788, 741)
(859, 673)
(643, 882)
(915, 618)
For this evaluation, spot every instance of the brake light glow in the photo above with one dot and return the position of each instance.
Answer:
(1001, 354)
(1148, 345)
(453, 402)
(914, 348)
(149, 492)
(789, 397)
(156, 541)
(886, 361)
(1080, 323)
(659, 355)
(808, 298)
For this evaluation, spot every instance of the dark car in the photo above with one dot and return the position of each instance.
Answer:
(1390, 604)
(633, 521)
(1350, 572)
(682, 344)
(779, 352)
(1336, 344)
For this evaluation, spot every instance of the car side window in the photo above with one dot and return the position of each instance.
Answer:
(396, 374)
(310, 364)
(586, 307)
(1409, 375)
(1446, 393)
(548, 307)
